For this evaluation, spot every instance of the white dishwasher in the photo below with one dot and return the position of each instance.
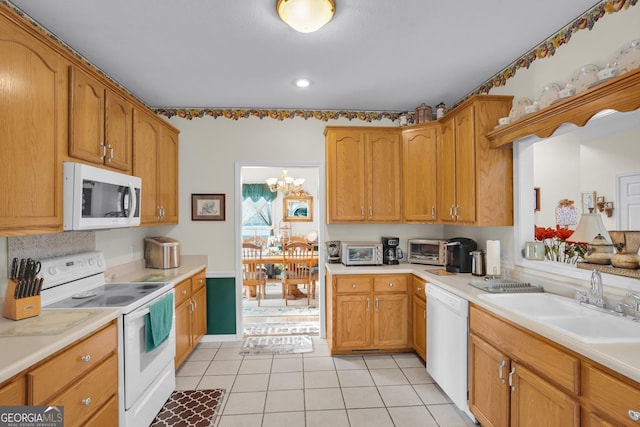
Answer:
(447, 344)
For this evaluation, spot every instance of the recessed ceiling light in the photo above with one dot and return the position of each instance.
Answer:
(303, 83)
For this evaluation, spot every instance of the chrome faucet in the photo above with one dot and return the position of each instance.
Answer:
(596, 288)
(636, 306)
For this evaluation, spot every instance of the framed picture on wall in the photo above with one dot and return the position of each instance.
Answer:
(298, 208)
(207, 207)
(588, 201)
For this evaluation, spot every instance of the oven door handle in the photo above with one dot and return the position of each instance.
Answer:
(138, 314)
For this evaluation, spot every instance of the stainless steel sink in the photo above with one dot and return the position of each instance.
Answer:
(569, 317)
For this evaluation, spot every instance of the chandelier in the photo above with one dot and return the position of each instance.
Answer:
(285, 184)
(306, 16)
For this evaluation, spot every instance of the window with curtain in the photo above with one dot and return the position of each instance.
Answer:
(257, 220)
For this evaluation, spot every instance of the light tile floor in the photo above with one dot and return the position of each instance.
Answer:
(317, 390)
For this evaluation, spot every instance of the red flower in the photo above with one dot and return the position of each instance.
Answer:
(563, 233)
(542, 233)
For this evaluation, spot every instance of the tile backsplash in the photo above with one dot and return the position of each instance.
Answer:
(44, 246)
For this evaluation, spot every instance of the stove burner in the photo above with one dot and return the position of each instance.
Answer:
(119, 299)
(83, 295)
(144, 287)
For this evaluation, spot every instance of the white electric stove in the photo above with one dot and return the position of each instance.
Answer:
(146, 378)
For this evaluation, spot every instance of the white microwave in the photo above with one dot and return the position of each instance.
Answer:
(361, 253)
(97, 198)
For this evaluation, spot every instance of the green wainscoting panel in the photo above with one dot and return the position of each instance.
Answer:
(221, 305)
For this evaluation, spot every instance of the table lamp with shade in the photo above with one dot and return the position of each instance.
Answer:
(591, 230)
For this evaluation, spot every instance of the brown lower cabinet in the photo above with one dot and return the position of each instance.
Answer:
(82, 377)
(368, 313)
(191, 314)
(518, 378)
(419, 313)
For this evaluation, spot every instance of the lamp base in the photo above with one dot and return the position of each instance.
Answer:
(624, 260)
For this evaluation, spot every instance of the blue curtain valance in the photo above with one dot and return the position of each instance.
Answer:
(256, 191)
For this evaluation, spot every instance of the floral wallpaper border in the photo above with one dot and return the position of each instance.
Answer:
(549, 46)
(239, 113)
(543, 50)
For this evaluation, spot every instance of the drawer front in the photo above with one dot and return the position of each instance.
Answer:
(183, 291)
(353, 284)
(105, 416)
(55, 374)
(13, 393)
(86, 396)
(610, 395)
(385, 283)
(418, 287)
(198, 281)
(558, 366)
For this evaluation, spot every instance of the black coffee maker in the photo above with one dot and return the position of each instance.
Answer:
(459, 259)
(390, 250)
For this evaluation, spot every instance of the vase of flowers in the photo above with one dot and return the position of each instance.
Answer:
(556, 246)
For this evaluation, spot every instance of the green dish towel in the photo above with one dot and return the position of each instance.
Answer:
(158, 323)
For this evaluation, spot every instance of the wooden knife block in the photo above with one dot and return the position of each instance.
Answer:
(17, 309)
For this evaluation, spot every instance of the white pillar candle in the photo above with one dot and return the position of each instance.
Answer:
(493, 257)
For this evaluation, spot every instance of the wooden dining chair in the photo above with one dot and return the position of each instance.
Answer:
(297, 258)
(254, 278)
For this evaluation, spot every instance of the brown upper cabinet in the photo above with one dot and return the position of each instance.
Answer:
(475, 181)
(101, 123)
(420, 149)
(363, 174)
(155, 160)
(55, 108)
(33, 103)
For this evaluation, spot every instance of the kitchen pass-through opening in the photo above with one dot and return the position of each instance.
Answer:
(266, 223)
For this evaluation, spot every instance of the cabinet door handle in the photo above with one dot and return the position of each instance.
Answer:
(418, 289)
(86, 401)
(513, 371)
(104, 150)
(424, 314)
(370, 212)
(456, 211)
(634, 415)
(86, 358)
(391, 284)
(362, 211)
(433, 211)
(451, 211)
(110, 154)
(368, 304)
(376, 304)
(501, 367)
(353, 285)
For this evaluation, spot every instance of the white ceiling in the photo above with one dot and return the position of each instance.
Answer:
(375, 55)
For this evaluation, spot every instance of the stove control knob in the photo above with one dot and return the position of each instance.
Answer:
(90, 261)
(52, 270)
(100, 262)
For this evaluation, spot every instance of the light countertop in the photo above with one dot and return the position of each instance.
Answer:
(28, 341)
(135, 271)
(622, 358)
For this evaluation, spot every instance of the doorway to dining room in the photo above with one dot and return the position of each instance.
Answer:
(270, 219)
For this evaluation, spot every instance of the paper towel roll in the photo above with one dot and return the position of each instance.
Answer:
(493, 257)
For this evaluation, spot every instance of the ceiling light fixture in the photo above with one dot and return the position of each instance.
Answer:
(285, 184)
(306, 16)
(303, 83)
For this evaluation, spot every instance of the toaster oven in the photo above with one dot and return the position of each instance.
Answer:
(427, 251)
(361, 253)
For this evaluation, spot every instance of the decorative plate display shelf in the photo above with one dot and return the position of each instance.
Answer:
(620, 93)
